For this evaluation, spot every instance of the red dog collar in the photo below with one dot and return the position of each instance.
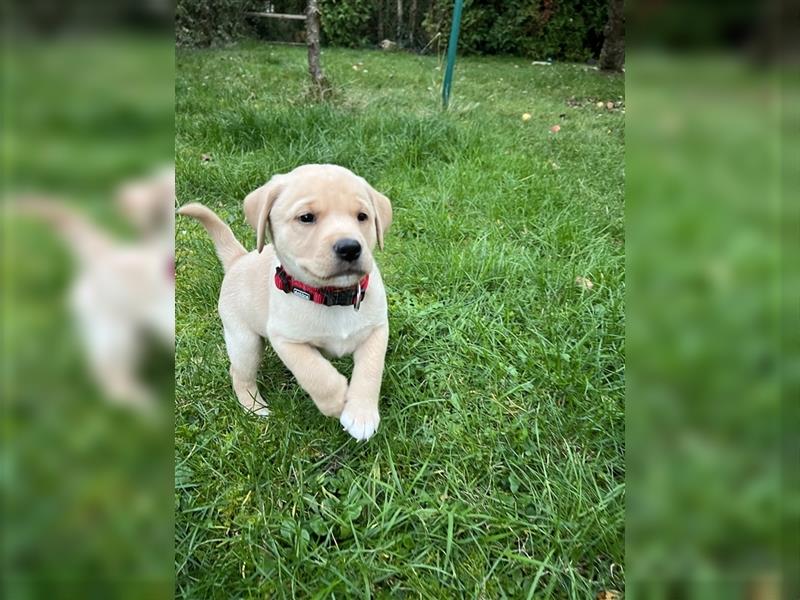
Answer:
(329, 296)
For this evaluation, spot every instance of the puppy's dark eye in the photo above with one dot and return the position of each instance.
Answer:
(362, 216)
(307, 218)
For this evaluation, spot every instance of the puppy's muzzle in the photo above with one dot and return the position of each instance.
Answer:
(347, 249)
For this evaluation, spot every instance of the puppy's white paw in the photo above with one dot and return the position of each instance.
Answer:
(261, 411)
(360, 421)
(258, 408)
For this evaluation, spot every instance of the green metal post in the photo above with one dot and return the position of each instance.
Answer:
(451, 52)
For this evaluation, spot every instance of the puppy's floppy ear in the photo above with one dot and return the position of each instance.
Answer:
(383, 212)
(258, 204)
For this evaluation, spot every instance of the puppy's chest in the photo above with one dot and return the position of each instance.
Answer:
(336, 330)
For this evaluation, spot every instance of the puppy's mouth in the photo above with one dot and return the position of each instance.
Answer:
(344, 273)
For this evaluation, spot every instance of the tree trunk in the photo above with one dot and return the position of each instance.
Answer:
(399, 37)
(380, 21)
(612, 56)
(412, 23)
(318, 80)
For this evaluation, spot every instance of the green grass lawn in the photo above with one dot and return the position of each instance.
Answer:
(498, 468)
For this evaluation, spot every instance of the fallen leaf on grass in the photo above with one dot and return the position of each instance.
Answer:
(608, 595)
(584, 282)
(555, 128)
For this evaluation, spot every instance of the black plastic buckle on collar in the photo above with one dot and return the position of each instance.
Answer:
(344, 297)
(284, 277)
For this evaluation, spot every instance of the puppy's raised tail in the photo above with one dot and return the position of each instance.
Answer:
(86, 240)
(228, 247)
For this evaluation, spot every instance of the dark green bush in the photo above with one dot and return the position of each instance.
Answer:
(558, 29)
(348, 22)
(211, 22)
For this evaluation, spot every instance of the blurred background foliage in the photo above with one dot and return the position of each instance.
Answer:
(703, 406)
(86, 486)
(712, 339)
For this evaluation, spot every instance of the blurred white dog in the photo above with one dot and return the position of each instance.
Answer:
(123, 291)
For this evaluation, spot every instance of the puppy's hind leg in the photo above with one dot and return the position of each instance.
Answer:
(113, 349)
(112, 345)
(244, 350)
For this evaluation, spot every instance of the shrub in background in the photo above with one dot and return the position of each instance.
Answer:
(212, 22)
(558, 29)
(349, 23)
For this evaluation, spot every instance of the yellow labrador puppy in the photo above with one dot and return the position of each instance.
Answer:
(315, 289)
(123, 291)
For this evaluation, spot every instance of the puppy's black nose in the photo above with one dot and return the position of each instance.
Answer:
(347, 249)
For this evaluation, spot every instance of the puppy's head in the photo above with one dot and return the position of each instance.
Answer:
(149, 203)
(324, 222)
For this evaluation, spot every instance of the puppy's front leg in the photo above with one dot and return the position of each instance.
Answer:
(360, 416)
(318, 377)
